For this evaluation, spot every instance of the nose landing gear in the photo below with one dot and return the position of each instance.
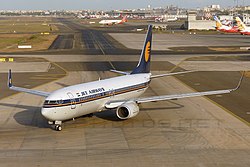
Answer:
(57, 125)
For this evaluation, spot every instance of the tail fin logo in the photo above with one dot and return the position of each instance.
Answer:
(218, 25)
(124, 19)
(240, 24)
(147, 51)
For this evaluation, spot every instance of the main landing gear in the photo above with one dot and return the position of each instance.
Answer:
(57, 125)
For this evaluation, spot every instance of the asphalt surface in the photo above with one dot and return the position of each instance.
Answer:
(63, 42)
(91, 40)
(187, 132)
(236, 102)
(106, 66)
(30, 79)
(88, 40)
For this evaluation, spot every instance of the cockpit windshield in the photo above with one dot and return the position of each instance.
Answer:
(53, 102)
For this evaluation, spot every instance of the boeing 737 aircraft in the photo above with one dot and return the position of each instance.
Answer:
(120, 93)
(112, 22)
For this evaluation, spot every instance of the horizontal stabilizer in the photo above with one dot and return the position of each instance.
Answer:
(170, 74)
(120, 72)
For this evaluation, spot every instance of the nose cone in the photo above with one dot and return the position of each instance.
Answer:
(46, 113)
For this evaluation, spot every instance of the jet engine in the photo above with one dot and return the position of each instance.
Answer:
(127, 110)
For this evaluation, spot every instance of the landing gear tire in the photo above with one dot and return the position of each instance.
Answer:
(58, 127)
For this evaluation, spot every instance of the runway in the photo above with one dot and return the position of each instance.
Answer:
(29, 72)
(123, 40)
(87, 40)
(186, 132)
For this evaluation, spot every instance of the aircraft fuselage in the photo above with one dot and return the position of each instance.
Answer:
(75, 101)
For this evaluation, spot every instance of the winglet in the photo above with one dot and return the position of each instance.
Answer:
(9, 79)
(239, 84)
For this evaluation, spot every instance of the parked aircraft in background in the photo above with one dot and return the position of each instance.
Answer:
(120, 93)
(80, 16)
(112, 22)
(225, 28)
(243, 29)
(227, 22)
(162, 19)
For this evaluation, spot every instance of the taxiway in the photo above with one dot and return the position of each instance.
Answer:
(191, 132)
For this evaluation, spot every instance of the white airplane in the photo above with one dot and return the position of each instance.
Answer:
(112, 22)
(162, 19)
(120, 93)
(172, 19)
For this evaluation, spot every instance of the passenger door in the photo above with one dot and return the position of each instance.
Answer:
(72, 100)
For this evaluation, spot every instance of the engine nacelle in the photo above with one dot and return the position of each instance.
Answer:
(127, 110)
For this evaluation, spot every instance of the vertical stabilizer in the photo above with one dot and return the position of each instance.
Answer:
(240, 24)
(218, 23)
(124, 19)
(144, 63)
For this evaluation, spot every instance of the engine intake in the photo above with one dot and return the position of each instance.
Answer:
(127, 110)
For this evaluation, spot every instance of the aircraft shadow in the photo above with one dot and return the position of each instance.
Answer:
(30, 116)
(109, 115)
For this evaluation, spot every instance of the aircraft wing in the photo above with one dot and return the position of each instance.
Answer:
(180, 96)
(30, 91)
(115, 104)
